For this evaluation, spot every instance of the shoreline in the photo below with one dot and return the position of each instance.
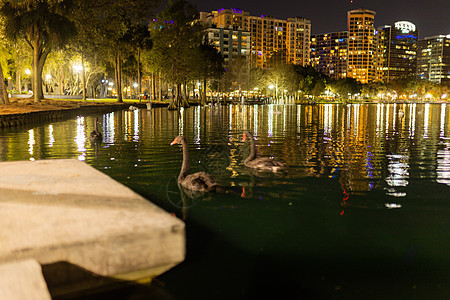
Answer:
(23, 111)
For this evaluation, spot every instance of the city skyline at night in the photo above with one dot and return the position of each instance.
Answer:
(431, 17)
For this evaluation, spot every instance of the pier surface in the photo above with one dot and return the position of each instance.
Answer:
(82, 227)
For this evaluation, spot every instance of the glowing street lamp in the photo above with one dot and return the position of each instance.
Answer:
(77, 68)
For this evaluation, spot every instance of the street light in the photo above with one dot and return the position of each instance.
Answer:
(77, 68)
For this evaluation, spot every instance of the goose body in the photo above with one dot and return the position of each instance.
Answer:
(263, 163)
(95, 134)
(200, 181)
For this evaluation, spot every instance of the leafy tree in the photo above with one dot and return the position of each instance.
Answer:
(209, 65)
(3, 93)
(138, 36)
(176, 37)
(103, 26)
(45, 27)
(281, 75)
(344, 87)
(311, 82)
(3, 62)
(402, 85)
(22, 60)
(237, 75)
(257, 79)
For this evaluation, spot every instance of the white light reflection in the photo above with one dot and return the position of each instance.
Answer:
(355, 119)
(412, 120)
(51, 139)
(230, 114)
(398, 169)
(349, 116)
(80, 139)
(31, 142)
(443, 105)
(197, 125)
(392, 205)
(125, 132)
(255, 120)
(270, 121)
(380, 118)
(136, 125)
(393, 116)
(108, 128)
(181, 122)
(243, 118)
(425, 120)
(387, 118)
(327, 119)
(443, 165)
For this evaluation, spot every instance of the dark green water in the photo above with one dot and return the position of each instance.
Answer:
(363, 212)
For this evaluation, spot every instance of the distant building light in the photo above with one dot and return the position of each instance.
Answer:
(406, 36)
(405, 26)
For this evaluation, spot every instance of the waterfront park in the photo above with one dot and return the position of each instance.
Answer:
(302, 186)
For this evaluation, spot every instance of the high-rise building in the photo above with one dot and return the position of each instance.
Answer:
(230, 42)
(290, 38)
(397, 46)
(433, 59)
(361, 62)
(329, 53)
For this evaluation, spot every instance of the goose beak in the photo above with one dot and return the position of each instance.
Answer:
(173, 142)
(244, 137)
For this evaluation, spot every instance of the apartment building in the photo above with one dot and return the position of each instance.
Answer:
(361, 58)
(397, 47)
(230, 42)
(268, 35)
(433, 59)
(329, 53)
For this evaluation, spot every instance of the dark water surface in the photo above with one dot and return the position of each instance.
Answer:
(362, 213)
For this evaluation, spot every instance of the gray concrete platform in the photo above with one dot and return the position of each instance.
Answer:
(64, 212)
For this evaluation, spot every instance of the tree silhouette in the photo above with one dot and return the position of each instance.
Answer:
(44, 26)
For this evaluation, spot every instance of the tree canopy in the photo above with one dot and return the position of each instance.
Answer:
(44, 26)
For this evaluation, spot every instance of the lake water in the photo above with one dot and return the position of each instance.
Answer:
(363, 211)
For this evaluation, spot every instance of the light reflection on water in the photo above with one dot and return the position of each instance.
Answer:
(351, 166)
(376, 143)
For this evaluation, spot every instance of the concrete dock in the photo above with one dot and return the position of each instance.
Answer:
(81, 227)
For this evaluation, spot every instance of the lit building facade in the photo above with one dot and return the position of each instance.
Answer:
(329, 53)
(230, 42)
(397, 50)
(268, 35)
(361, 57)
(433, 59)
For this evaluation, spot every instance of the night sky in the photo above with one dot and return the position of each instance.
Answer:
(432, 17)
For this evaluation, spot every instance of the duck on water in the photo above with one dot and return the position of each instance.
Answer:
(262, 163)
(95, 134)
(200, 181)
